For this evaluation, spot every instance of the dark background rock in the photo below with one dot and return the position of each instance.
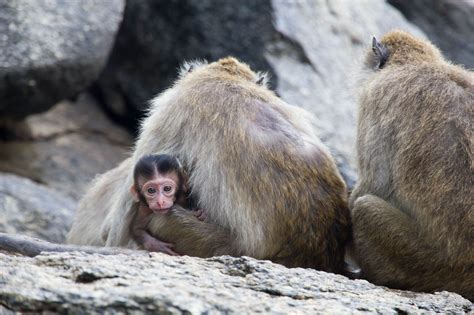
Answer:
(79, 283)
(51, 50)
(65, 147)
(33, 209)
(157, 36)
(448, 23)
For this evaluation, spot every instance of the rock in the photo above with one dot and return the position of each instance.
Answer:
(34, 209)
(51, 50)
(448, 23)
(82, 283)
(65, 147)
(310, 47)
(163, 34)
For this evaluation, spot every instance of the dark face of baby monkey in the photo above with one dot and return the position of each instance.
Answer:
(158, 182)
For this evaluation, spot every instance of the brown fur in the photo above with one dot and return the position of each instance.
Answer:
(413, 216)
(269, 187)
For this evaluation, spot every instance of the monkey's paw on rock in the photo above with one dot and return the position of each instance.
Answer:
(91, 283)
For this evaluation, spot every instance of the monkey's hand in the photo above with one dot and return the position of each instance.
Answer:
(153, 244)
(200, 214)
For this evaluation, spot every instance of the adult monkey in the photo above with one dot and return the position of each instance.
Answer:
(269, 187)
(412, 209)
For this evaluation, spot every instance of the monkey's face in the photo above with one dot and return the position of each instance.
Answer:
(160, 192)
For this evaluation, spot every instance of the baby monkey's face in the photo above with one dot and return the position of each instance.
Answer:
(159, 191)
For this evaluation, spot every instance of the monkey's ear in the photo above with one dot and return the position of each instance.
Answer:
(381, 52)
(189, 66)
(262, 78)
(134, 193)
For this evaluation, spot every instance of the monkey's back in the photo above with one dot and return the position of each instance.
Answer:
(285, 175)
(429, 118)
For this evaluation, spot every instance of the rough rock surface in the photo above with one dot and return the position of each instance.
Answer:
(52, 49)
(448, 23)
(80, 283)
(33, 209)
(310, 47)
(65, 147)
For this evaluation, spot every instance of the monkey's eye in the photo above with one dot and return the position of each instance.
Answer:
(167, 188)
(151, 190)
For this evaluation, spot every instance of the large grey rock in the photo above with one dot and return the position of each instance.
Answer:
(80, 283)
(52, 49)
(33, 209)
(311, 48)
(65, 147)
(448, 23)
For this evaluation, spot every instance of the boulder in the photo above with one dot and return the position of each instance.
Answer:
(65, 147)
(164, 34)
(89, 283)
(310, 48)
(33, 209)
(448, 23)
(51, 50)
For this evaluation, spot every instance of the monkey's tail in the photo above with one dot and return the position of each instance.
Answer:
(29, 246)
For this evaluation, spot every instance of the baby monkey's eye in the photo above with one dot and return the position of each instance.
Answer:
(151, 190)
(167, 188)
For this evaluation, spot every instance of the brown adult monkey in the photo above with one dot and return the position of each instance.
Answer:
(412, 210)
(269, 187)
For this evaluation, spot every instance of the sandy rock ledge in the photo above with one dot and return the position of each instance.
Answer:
(80, 283)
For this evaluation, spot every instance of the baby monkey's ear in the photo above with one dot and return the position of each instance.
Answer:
(135, 193)
(381, 52)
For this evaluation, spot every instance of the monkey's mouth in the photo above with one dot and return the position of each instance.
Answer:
(161, 211)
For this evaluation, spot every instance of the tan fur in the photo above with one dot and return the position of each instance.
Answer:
(413, 216)
(87, 225)
(269, 187)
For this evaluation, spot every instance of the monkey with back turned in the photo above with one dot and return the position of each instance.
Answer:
(412, 209)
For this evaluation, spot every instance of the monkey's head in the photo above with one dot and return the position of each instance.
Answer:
(228, 66)
(157, 182)
(400, 48)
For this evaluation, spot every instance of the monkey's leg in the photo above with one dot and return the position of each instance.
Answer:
(386, 242)
(393, 252)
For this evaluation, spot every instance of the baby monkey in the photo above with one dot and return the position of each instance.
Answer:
(158, 183)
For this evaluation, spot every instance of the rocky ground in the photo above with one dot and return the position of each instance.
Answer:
(80, 283)
(75, 78)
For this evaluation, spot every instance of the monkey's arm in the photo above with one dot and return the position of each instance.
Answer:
(191, 236)
(31, 247)
(139, 233)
